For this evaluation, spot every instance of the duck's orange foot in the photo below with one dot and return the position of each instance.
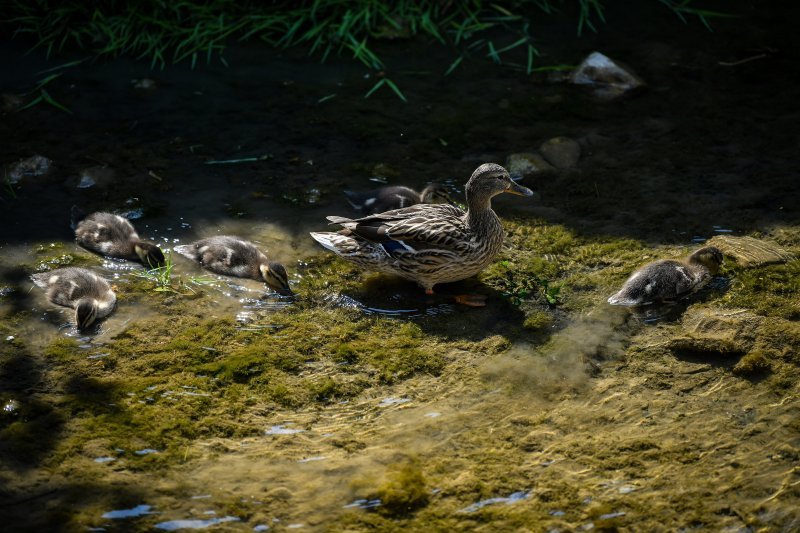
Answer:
(471, 300)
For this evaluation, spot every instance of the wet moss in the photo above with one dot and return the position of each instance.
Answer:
(752, 364)
(538, 321)
(404, 491)
(63, 349)
(769, 290)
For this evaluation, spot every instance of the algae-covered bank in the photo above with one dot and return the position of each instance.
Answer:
(361, 403)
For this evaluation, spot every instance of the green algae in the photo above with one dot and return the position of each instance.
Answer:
(404, 491)
(769, 290)
(193, 374)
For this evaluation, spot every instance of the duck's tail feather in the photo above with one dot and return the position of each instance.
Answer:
(339, 220)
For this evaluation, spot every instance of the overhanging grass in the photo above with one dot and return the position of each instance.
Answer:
(172, 32)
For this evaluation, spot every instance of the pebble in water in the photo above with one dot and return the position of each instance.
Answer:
(281, 430)
(508, 500)
(139, 510)
(174, 525)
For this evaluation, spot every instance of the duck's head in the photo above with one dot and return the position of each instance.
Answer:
(435, 193)
(708, 256)
(150, 255)
(489, 180)
(276, 278)
(85, 314)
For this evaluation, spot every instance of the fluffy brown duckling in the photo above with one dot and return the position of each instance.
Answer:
(396, 197)
(233, 256)
(668, 279)
(81, 289)
(114, 236)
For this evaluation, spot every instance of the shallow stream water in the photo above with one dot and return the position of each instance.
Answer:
(594, 420)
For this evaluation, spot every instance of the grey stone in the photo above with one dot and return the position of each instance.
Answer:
(522, 165)
(748, 251)
(36, 165)
(98, 176)
(608, 77)
(561, 152)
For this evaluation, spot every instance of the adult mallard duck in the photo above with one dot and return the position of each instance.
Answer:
(396, 197)
(233, 256)
(81, 289)
(429, 243)
(668, 279)
(114, 236)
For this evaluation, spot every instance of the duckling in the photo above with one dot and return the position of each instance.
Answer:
(81, 289)
(232, 256)
(114, 236)
(396, 197)
(667, 279)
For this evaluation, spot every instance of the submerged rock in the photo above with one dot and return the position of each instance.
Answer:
(523, 165)
(36, 165)
(99, 176)
(750, 252)
(561, 152)
(144, 84)
(609, 78)
(10, 102)
(717, 332)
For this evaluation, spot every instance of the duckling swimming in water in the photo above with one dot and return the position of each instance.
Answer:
(668, 279)
(114, 236)
(232, 256)
(81, 289)
(396, 197)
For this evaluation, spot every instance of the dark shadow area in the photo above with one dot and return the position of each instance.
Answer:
(32, 429)
(439, 314)
(19, 298)
(54, 507)
(709, 145)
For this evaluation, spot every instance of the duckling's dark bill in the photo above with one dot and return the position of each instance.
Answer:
(519, 190)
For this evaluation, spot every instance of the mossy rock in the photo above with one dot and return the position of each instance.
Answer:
(749, 251)
(405, 490)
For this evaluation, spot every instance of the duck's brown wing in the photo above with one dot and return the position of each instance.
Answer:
(419, 227)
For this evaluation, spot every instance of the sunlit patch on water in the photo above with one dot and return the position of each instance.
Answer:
(363, 504)
(146, 451)
(139, 510)
(174, 525)
(348, 302)
(120, 265)
(282, 430)
(514, 497)
(312, 459)
(10, 407)
(386, 402)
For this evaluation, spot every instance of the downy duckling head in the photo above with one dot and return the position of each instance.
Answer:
(491, 179)
(435, 193)
(85, 314)
(150, 255)
(276, 278)
(708, 256)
